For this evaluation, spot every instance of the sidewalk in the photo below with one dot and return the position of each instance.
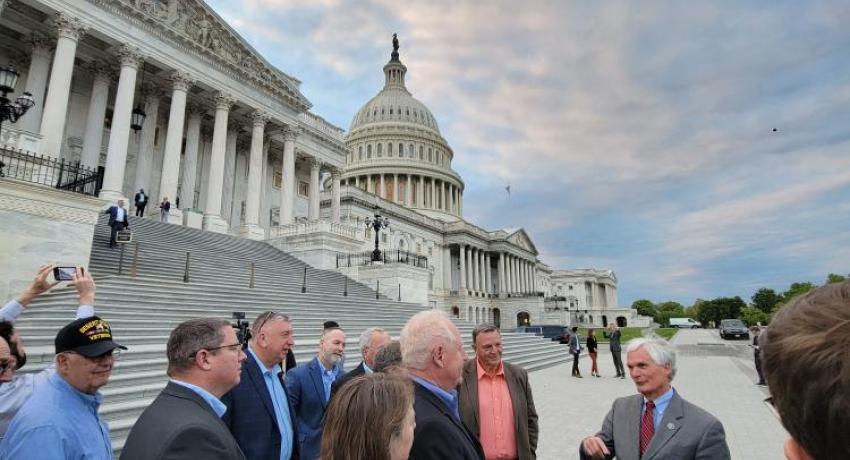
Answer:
(716, 375)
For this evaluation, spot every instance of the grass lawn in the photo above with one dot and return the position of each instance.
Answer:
(666, 332)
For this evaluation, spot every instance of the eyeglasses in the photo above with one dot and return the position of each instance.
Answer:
(5, 365)
(234, 347)
(114, 354)
(267, 316)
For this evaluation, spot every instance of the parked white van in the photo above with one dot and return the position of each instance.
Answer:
(686, 323)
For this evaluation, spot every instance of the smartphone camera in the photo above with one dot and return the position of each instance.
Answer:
(64, 273)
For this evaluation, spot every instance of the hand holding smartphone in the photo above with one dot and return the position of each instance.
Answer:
(64, 273)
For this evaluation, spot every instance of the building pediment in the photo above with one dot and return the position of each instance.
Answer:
(521, 239)
(198, 26)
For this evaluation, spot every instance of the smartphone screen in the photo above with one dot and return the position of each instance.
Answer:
(64, 273)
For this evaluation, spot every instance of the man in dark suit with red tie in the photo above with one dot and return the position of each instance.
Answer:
(118, 220)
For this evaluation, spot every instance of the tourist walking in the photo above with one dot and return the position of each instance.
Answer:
(614, 342)
(591, 350)
(140, 200)
(575, 349)
(757, 354)
(117, 221)
(164, 207)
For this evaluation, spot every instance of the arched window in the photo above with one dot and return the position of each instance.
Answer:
(369, 151)
(400, 150)
(380, 152)
(421, 155)
(360, 153)
(410, 150)
(430, 158)
(389, 148)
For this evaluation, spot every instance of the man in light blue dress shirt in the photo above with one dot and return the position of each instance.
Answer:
(258, 412)
(60, 419)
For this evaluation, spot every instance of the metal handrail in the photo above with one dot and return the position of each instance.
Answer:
(49, 171)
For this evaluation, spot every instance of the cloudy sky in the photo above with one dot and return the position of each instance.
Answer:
(699, 149)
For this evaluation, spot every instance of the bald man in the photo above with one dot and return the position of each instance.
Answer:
(6, 364)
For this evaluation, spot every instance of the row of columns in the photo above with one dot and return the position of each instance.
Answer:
(52, 125)
(515, 275)
(430, 193)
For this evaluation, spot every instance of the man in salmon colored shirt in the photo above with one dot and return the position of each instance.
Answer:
(496, 402)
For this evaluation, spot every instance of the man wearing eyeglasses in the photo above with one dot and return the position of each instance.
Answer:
(60, 419)
(258, 411)
(16, 388)
(184, 421)
(5, 362)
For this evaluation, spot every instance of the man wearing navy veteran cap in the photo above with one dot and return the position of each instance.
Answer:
(60, 419)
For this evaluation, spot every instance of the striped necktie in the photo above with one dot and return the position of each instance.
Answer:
(647, 427)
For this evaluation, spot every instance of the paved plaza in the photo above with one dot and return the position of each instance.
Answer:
(717, 375)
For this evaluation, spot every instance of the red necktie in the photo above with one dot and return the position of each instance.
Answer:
(647, 427)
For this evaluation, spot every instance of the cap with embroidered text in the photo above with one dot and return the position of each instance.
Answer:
(90, 337)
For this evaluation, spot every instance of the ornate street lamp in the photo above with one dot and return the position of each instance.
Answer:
(137, 116)
(9, 110)
(377, 223)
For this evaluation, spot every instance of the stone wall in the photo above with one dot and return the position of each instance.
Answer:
(41, 225)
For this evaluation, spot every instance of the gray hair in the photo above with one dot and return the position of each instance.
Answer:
(389, 356)
(424, 331)
(661, 352)
(267, 317)
(483, 328)
(190, 337)
(366, 337)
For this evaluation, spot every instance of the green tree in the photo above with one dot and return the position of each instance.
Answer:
(797, 289)
(720, 308)
(835, 278)
(644, 307)
(765, 299)
(753, 316)
(666, 310)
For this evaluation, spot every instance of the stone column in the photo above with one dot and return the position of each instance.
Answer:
(68, 30)
(461, 280)
(488, 288)
(433, 194)
(190, 160)
(450, 199)
(408, 191)
(116, 155)
(396, 198)
(251, 228)
(356, 181)
(510, 274)
(212, 209)
(144, 157)
(501, 274)
(37, 74)
(459, 203)
(337, 195)
(315, 169)
(93, 137)
(482, 278)
(447, 268)
(382, 192)
(173, 142)
(476, 269)
(228, 185)
(287, 204)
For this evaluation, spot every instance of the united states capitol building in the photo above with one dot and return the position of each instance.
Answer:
(164, 95)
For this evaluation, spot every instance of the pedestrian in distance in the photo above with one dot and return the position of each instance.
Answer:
(141, 201)
(614, 335)
(756, 331)
(164, 208)
(575, 350)
(592, 347)
(118, 220)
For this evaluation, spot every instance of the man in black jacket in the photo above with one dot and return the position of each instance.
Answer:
(372, 340)
(433, 353)
(140, 200)
(184, 421)
(118, 220)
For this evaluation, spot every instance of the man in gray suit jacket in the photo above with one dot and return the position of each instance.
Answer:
(656, 424)
(184, 421)
(497, 377)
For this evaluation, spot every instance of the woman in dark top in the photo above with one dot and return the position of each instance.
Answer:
(591, 350)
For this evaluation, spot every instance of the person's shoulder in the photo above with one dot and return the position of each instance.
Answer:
(515, 369)
(691, 410)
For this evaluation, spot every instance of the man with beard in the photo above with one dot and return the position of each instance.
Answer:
(309, 390)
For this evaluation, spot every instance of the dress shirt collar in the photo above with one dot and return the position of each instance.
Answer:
(482, 372)
(92, 400)
(661, 404)
(217, 406)
(367, 369)
(449, 397)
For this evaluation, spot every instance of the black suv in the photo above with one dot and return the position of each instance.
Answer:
(733, 329)
(550, 331)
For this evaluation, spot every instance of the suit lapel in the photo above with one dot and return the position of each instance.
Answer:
(256, 377)
(515, 390)
(435, 401)
(470, 385)
(316, 374)
(633, 429)
(668, 427)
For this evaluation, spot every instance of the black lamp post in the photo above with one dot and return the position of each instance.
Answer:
(377, 223)
(137, 116)
(9, 110)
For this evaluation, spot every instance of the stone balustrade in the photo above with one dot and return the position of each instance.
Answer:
(315, 226)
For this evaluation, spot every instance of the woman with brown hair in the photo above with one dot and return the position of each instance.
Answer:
(591, 350)
(370, 418)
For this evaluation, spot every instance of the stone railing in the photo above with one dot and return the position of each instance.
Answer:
(320, 124)
(17, 139)
(315, 226)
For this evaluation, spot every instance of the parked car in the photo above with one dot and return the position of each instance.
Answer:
(685, 323)
(550, 331)
(734, 329)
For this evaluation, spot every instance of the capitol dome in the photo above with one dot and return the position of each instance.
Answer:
(396, 151)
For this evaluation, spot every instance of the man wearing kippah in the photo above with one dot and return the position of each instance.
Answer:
(60, 419)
